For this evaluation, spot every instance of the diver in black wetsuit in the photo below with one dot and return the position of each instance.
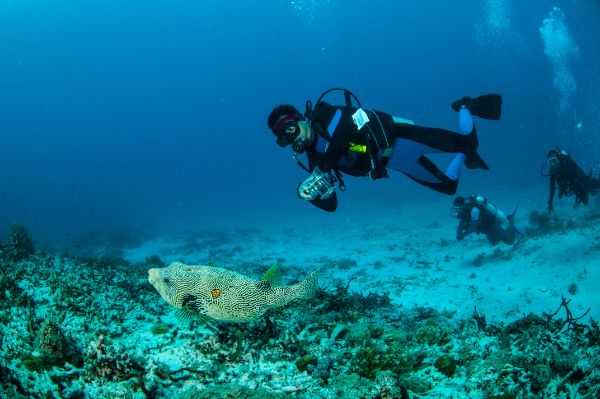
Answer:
(477, 215)
(570, 179)
(361, 142)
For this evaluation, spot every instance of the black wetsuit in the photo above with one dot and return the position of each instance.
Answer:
(571, 180)
(378, 134)
(485, 223)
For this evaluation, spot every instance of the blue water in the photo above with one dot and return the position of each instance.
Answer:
(151, 115)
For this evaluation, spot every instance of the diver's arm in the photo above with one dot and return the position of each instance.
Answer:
(319, 190)
(460, 231)
(338, 123)
(552, 190)
(335, 151)
(467, 227)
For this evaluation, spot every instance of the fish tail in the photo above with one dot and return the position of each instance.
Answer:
(307, 288)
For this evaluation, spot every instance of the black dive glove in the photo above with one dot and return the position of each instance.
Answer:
(378, 172)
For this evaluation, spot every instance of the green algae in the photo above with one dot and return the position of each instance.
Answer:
(160, 329)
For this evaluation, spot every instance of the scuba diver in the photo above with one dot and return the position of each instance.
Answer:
(364, 142)
(569, 177)
(477, 215)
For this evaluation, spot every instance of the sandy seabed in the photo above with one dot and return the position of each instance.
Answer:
(404, 311)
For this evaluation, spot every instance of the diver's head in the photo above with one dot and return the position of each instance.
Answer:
(457, 205)
(553, 158)
(290, 127)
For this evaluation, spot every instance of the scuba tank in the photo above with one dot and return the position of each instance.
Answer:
(489, 207)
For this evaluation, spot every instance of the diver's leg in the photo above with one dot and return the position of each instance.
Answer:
(510, 232)
(493, 237)
(443, 183)
(409, 158)
(582, 196)
(497, 233)
(440, 139)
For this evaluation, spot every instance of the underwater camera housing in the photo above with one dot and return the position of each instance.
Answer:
(318, 185)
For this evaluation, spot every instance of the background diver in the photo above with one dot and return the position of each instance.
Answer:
(570, 179)
(477, 215)
(363, 142)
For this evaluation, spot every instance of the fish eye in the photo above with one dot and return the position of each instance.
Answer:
(166, 280)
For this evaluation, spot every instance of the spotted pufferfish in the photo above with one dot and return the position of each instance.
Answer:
(207, 292)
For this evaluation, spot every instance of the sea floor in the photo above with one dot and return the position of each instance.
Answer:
(404, 311)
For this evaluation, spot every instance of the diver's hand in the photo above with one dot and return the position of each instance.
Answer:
(378, 172)
(318, 185)
(304, 193)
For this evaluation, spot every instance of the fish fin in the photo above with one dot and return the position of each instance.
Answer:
(263, 285)
(189, 315)
(307, 288)
(193, 303)
(273, 275)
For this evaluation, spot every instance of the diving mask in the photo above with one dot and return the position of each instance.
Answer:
(287, 129)
(457, 205)
(553, 162)
(455, 211)
(554, 157)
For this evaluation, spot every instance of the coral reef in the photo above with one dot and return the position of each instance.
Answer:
(93, 327)
(541, 223)
(344, 304)
(19, 245)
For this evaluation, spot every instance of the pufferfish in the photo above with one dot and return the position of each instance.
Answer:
(206, 292)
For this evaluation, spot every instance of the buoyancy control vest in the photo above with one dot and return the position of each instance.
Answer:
(378, 144)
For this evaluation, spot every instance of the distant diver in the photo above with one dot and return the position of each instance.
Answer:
(478, 215)
(364, 142)
(570, 178)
